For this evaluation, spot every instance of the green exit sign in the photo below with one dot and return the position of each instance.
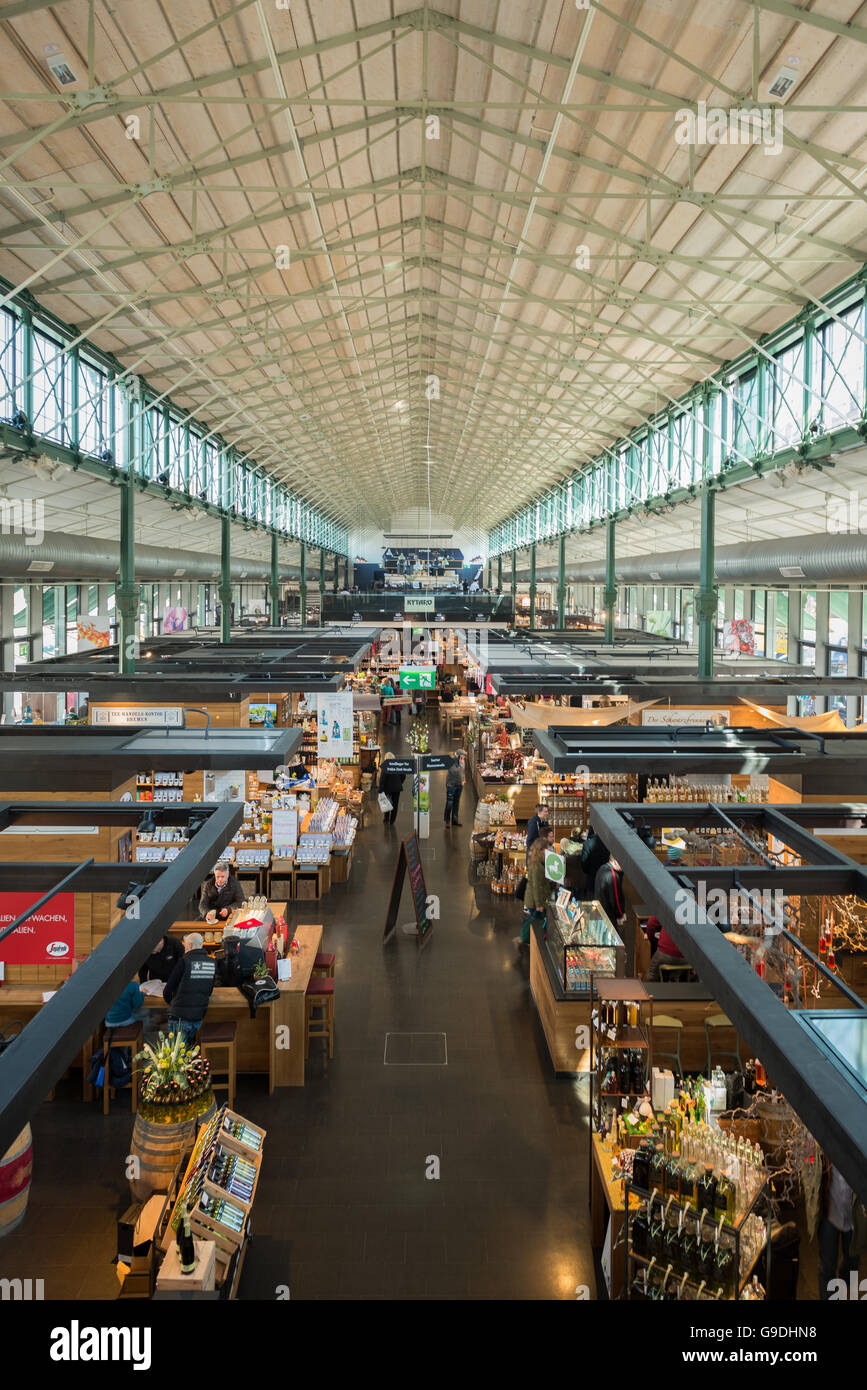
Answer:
(418, 677)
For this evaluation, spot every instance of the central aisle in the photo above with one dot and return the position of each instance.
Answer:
(344, 1206)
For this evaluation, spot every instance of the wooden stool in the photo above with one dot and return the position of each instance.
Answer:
(324, 964)
(220, 1036)
(320, 995)
(129, 1036)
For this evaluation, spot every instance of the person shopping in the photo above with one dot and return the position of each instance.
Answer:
(386, 692)
(536, 824)
(391, 785)
(538, 888)
(842, 1231)
(188, 989)
(454, 787)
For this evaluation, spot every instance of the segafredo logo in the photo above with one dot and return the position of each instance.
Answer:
(57, 948)
(77, 1343)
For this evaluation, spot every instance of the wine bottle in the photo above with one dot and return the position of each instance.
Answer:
(186, 1248)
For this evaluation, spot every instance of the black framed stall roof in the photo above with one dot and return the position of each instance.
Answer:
(52, 1040)
(532, 684)
(825, 1094)
(49, 750)
(690, 749)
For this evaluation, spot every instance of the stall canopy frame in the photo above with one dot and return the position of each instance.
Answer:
(52, 1040)
(829, 1102)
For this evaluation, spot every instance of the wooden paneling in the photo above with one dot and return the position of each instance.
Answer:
(559, 1019)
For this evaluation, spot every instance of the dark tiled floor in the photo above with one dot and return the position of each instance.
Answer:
(344, 1208)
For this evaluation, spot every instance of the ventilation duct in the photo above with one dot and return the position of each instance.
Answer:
(60, 557)
(836, 559)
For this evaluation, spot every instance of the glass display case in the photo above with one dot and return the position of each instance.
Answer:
(582, 942)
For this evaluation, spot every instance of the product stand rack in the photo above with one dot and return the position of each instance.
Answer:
(638, 1039)
(231, 1243)
(733, 1231)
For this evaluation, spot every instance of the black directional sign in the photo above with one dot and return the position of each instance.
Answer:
(436, 762)
(402, 765)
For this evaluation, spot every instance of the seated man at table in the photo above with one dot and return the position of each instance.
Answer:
(188, 989)
(162, 960)
(665, 952)
(221, 894)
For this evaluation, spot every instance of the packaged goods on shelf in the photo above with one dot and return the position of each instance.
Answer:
(313, 848)
(252, 857)
(678, 789)
(323, 818)
(344, 831)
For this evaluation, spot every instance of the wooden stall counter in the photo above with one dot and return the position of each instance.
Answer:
(273, 1041)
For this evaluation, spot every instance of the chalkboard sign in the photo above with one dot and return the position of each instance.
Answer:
(409, 859)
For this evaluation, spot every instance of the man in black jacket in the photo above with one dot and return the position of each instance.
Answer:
(188, 989)
(221, 893)
(162, 960)
(537, 825)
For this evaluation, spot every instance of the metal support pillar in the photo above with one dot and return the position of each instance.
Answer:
(533, 585)
(706, 599)
(823, 625)
(224, 588)
(499, 574)
(561, 584)
(853, 654)
(274, 586)
(336, 572)
(321, 588)
(128, 592)
(514, 584)
(302, 584)
(609, 593)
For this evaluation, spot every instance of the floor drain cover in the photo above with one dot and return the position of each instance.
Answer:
(415, 1050)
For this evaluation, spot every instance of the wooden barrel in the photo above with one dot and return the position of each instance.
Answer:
(482, 819)
(16, 1167)
(478, 847)
(158, 1146)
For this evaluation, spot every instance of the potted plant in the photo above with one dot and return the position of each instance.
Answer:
(174, 1094)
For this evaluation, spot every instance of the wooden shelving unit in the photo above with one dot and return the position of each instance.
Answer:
(608, 1015)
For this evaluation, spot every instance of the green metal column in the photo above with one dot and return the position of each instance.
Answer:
(489, 585)
(533, 585)
(609, 593)
(336, 572)
(274, 593)
(321, 588)
(561, 584)
(499, 574)
(514, 584)
(224, 588)
(302, 586)
(128, 593)
(707, 598)
(346, 572)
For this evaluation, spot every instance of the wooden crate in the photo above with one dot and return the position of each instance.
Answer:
(225, 1238)
(340, 867)
(229, 1141)
(203, 1278)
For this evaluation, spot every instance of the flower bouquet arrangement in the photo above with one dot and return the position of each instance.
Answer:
(173, 1075)
(418, 736)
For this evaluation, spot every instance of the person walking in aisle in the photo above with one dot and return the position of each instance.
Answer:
(538, 889)
(386, 692)
(454, 787)
(391, 785)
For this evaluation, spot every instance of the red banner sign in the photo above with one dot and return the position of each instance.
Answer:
(46, 938)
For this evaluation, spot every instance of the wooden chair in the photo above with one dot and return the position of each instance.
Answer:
(130, 1036)
(721, 1021)
(320, 996)
(221, 1037)
(676, 1024)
